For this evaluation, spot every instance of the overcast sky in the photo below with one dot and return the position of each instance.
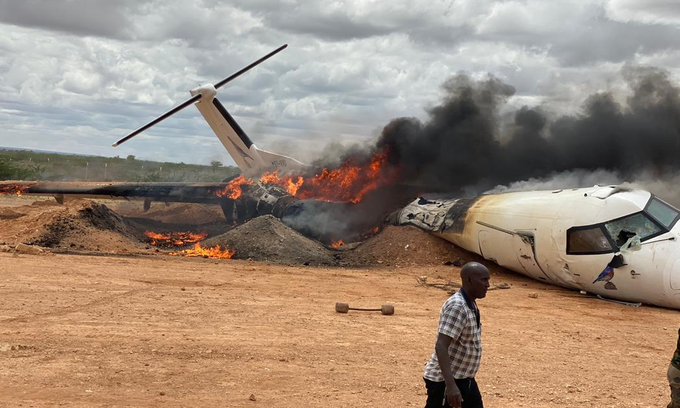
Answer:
(77, 75)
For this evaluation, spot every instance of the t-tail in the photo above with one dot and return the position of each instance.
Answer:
(252, 161)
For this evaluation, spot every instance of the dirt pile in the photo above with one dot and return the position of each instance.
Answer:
(268, 239)
(406, 246)
(78, 225)
(89, 226)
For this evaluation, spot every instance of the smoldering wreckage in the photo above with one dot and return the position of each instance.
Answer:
(615, 242)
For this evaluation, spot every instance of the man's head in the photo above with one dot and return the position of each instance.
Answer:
(475, 279)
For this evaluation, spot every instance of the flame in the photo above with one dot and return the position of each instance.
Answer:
(338, 244)
(348, 183)
(293, 187)
(174, 238)
(270, 178)
(13, 189)
(212, 252)
(234, 190)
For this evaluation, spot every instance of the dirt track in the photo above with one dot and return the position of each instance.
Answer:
(83, 331)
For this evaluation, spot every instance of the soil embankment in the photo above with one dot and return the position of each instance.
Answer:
(83, 226)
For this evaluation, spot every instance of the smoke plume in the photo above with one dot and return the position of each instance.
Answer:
(462, 149)
(460, 145)
(664, 187)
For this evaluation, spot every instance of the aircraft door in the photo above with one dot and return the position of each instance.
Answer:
(525, 246)
(675, 276)
(496, 246)
(672, 280)
(486, 247)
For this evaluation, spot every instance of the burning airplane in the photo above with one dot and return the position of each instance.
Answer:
(613, 242)
(617, 243)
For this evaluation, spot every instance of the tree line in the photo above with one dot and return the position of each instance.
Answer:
(30, 165)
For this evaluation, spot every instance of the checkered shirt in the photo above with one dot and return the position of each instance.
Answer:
(676, 357)
(458, 321)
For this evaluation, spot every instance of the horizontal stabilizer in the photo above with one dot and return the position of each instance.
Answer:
(195, 98)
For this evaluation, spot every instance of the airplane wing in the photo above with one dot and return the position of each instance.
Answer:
(206, 193)
(240, 199)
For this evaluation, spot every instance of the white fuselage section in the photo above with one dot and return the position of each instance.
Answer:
(527, 232)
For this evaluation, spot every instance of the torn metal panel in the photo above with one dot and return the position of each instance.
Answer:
(262, 199)
(430, 215)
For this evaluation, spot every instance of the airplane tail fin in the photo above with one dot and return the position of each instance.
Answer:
(251, 160)
(283, 164)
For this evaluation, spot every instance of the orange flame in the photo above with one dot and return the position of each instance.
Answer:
(212, 252)
(348, 183)
(272, 178)
(293, 187)
(338, 244)
(13, 189)
(174, 238)
(234, 190)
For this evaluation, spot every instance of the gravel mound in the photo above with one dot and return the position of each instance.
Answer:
(266, 238)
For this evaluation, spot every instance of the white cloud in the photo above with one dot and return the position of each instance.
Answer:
(77, 75)
(645, 11)
(537, 18)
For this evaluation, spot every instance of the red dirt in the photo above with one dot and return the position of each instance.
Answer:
(90, 331)
(83, 331)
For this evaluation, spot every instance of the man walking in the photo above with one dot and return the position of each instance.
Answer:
(450, 373)
(674, 377)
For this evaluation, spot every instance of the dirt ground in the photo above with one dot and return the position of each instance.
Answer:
(101, 319)
(86, 331)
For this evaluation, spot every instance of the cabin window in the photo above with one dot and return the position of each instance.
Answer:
(662, 212)
(588, 241)
(634, 225)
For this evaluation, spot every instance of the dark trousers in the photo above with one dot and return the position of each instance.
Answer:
(436, 394)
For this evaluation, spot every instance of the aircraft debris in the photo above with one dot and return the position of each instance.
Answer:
(575, 239)
(174, 239)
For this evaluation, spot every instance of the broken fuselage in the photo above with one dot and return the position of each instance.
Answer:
(576, 238)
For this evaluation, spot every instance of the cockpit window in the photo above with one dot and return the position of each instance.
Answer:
(588, 241)
(634, 225)
(662, 212)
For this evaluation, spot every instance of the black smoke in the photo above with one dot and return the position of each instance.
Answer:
(462, 143)
(465, 148)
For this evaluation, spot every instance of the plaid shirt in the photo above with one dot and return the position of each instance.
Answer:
(675, 361)
(458, 320)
